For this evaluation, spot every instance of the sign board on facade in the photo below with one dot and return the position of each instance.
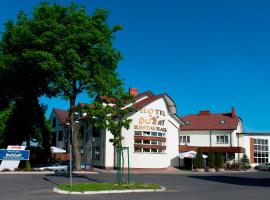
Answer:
(6, 154)
(153, 120)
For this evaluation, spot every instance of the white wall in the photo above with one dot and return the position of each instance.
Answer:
(148, 160)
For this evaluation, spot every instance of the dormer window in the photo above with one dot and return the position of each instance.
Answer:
(222, 121)
(187, 122)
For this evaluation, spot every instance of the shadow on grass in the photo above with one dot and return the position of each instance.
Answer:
(245, 181)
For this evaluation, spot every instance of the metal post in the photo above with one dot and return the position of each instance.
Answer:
(70, 167)
(119, 170)
(70, 159)
(92, 154)
(128, 165)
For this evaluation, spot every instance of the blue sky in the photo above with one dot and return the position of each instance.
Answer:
(207, 55)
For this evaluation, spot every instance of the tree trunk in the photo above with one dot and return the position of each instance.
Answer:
(74, 137)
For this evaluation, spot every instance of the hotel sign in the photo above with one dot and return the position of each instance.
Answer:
(153, 120)
(6, 154)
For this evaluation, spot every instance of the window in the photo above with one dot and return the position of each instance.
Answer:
(54, 122)
(60, 136)
(138, 133)
(184, 139)
(143, 146)
(222, 139)
(153, 150)
(146, 141)
(261, 151)
(155, 134)
(146, 150)
(138, 141)
(137, 149)
(222, 121)
(146, 134)
(154, 142)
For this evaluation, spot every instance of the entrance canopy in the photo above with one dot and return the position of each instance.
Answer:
(190, 154)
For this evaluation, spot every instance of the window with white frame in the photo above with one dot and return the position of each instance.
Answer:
(149, 146)
(261, 151)
(185, 139)
(222, 139)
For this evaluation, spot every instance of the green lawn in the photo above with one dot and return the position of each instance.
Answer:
(81, 187)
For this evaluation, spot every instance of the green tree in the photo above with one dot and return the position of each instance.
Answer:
(199, 160)
(220, 161)
(111, 113)
(4, 116)
(245, 161)
(65, 52)
(81, 46)
(211, 159)
(26, 73)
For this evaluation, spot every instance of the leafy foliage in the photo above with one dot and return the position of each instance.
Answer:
(111, 113)
(245, 162)
(245, 159)
(4, 117)
(199, 160)
(220, 161)
(211, 160)
(63, 51)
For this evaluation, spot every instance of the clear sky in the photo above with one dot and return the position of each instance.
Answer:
(207, 55)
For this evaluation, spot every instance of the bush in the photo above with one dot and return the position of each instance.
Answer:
(245, 159)
(211, 160)
(245, 162)
(220, 161)
(27, 166)
(199, 160)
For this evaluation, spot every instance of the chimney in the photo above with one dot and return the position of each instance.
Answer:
(204, 112)
(233, 112)
(133, 91)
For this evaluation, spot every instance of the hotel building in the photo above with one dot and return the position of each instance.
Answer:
(153, 136)
(157, 135)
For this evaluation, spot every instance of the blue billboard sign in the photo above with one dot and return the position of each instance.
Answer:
(6, 154)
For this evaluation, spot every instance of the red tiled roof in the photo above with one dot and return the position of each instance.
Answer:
(62, 114)
(82, 105)
(146, 101)
(204, 121)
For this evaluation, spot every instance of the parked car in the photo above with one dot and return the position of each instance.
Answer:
(263, 167)
(60, 166)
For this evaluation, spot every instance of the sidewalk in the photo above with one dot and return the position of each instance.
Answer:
(171, 170)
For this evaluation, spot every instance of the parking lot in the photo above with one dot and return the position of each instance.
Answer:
(243, 185)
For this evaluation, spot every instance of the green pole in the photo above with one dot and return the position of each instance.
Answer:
(128, 166)
(119, 171)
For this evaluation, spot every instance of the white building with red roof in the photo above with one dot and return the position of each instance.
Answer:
(218, 132)
(152, 139)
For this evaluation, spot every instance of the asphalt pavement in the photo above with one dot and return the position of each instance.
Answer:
(206, 186)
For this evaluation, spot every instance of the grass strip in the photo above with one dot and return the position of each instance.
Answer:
(82, 187)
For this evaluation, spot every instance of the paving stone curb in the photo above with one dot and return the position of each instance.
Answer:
(162, 189)
(45, 172)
